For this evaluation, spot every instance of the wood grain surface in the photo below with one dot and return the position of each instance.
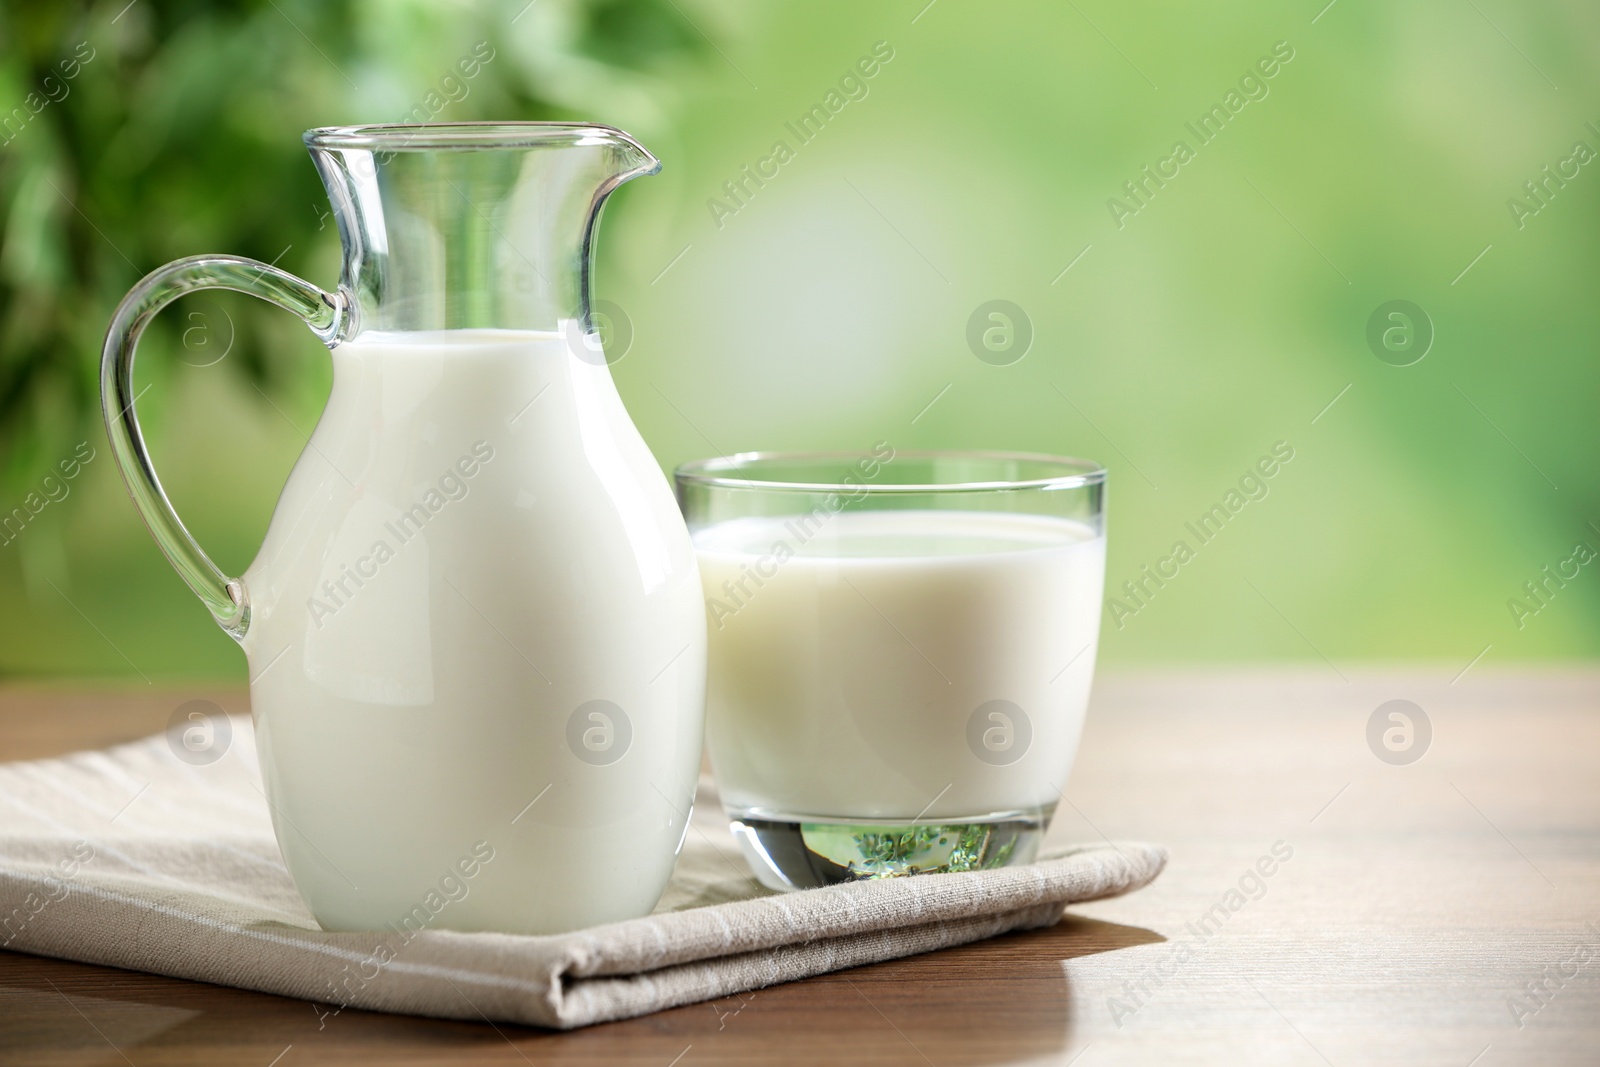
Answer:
(1442, 912)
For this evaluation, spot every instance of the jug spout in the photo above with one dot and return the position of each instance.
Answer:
(471, 225)
(633, 159)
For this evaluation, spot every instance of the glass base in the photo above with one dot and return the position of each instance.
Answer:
(788, 852)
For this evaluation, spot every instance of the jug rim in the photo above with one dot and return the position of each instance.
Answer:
(434, 136)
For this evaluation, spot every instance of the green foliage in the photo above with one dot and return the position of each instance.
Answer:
(178, 133)
(931, 850)
(1228, 313)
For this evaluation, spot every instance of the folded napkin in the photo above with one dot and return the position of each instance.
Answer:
(132, 858)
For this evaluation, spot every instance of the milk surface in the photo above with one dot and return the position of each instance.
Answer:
(849, 655)
(476, 556)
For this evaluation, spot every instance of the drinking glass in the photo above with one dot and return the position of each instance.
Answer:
(901, 646)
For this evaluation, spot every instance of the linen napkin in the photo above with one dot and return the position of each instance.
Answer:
(132, 858)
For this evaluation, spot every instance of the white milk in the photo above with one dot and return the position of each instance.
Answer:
(475, 543)
(843, 682)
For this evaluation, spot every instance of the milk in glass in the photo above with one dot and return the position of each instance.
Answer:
(896, 667)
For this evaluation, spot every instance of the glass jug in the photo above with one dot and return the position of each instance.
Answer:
(475, 629)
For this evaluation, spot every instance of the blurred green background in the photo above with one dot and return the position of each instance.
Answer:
(1177, 338)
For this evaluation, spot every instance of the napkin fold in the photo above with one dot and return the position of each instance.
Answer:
(132, 858)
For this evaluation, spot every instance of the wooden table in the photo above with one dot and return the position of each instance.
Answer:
(1417, 903)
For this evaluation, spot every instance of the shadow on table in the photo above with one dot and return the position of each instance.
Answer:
(995, 1001)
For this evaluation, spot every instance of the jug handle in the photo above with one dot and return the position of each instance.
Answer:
(326, 313)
